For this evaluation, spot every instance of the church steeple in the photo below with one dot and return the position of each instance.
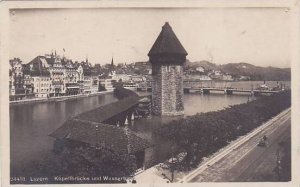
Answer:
(112, 66)
(112, 61)
(86, 59)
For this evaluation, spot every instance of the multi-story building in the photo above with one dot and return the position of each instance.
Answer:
(122, 77)
(58, 77)
(138, 78)
(16, 77)
(11, 83)
(66, 77)
(87, 78)
(71, 79)
(87, 84)
(95, 83)
(107, 84)
(42, 86)
(28, 84)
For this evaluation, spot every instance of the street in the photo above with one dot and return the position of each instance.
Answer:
(253, 163)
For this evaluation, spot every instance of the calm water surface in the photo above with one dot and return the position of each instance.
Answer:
(30, 125)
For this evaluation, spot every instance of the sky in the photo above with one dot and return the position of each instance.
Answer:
(260, 36)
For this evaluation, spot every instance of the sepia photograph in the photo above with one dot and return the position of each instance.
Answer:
(149, 95)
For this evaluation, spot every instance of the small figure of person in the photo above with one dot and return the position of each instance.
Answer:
(265, 138)
(133, 181)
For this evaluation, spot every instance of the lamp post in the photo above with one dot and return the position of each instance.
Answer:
(97, 139)
(172, 167)
(278, 168)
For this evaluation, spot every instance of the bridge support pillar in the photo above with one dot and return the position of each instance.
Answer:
(186, 90)
(206, 91)
(129, 116)
(254, 93)
(228, 92)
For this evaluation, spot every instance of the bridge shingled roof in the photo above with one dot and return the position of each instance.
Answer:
(82, 127)
(118, 139)
(106, 112)
(167, 43)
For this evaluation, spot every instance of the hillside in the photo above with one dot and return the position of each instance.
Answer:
(245, 69)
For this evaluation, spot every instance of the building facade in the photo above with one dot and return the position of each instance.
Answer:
(167, 57)
(42, 86)
(58, 76)
(16, 77)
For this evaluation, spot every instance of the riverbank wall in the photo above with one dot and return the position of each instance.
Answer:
(57, 99)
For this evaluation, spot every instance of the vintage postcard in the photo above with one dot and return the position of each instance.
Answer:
(125, 92)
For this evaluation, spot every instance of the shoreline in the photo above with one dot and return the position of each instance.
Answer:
(56, 99)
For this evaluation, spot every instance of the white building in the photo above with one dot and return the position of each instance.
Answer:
(107, 83)
(227, 78)
(123, 77)
(58, 77)
(16, 78)
(205, 78)
(200, 69)
(95, 84)
(87, 84)
(42, 86)
(138, 78)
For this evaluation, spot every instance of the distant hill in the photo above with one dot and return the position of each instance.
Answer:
(256, 72)
(205, 64)
(246, 69)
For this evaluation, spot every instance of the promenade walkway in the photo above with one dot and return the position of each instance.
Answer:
(60, 98)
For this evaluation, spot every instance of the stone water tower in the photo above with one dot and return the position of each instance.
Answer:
(167, 57)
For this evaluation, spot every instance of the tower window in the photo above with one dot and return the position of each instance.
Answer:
(168, 68)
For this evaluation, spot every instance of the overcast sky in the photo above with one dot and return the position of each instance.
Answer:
(259, 36)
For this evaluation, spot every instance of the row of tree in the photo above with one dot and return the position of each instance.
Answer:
(82, 161)
(202, 134)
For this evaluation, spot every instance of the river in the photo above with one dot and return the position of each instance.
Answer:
(30, 124)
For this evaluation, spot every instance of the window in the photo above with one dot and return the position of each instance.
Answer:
(168, 68)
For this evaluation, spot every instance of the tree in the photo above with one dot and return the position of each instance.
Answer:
(83, 161)
(101, 88)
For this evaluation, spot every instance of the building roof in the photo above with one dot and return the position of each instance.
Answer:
(88, 127)
(39, 61)
(37, 67)
(121, 140)
(167, 43)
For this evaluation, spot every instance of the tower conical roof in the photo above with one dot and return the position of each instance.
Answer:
(167, 43)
